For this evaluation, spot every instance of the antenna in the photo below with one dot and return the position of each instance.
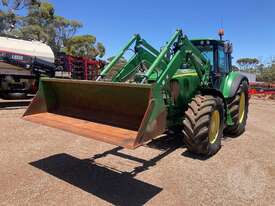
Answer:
(221, 30)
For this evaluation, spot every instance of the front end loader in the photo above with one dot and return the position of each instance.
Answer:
(181, 88)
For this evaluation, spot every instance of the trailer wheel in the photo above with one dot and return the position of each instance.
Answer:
(238, 107)
(203, 125)
(14, 96)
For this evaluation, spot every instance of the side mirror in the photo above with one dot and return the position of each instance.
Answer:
(228, 47)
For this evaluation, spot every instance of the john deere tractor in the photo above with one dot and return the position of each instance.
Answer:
(188, 87)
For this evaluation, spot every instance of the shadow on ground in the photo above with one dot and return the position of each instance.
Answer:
(188, 154)
(115, 187)
(111, 186)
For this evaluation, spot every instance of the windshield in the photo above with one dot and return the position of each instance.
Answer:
(207, 51)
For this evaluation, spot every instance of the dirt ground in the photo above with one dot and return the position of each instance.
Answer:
(46, 166)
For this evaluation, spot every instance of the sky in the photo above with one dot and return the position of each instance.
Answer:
(248, 24)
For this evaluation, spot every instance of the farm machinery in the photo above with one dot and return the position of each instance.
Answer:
(187, 87)
(23, 62)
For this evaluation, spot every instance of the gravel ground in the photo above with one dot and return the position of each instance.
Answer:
(46, 166)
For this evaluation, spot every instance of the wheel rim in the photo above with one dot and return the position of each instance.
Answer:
(241, 107)
(214, 126)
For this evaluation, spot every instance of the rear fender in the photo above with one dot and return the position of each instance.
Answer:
(231, 84)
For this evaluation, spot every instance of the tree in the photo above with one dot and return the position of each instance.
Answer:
(84, 45)
(17, 4)
(37, 25)
(42, 24)
(8, 18)
(60, 31)
(268, 74)
(7, 22)
(247, 63)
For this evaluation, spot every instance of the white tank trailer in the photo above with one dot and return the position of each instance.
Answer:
(16, 57)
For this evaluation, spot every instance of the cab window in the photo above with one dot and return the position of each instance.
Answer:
(207, 51)
(222, 63)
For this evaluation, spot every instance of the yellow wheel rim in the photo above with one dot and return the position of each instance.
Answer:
(214, 126)
(241, 108)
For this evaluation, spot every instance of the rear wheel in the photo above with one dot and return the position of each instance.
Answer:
(203, 125)
(238, 108)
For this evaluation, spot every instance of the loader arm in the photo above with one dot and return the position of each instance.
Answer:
(195, 59)
(138, 63)
(185, 54)
(104, 72)
(144, 56)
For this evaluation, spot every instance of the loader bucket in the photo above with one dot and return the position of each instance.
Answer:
(123, 114)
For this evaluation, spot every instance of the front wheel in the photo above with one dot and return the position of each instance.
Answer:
(203, 125)
(238, 108)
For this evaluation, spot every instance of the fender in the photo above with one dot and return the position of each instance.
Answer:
(231, 84)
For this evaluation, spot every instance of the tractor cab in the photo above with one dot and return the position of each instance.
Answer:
(218, 52)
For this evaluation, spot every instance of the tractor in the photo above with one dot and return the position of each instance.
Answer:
(188, 87)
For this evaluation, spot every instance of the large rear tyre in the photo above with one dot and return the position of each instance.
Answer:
(238, 108)
(203, 125)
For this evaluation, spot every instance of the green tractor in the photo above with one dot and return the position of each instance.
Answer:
(188, 87)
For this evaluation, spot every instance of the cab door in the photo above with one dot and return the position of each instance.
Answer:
(222, 67)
